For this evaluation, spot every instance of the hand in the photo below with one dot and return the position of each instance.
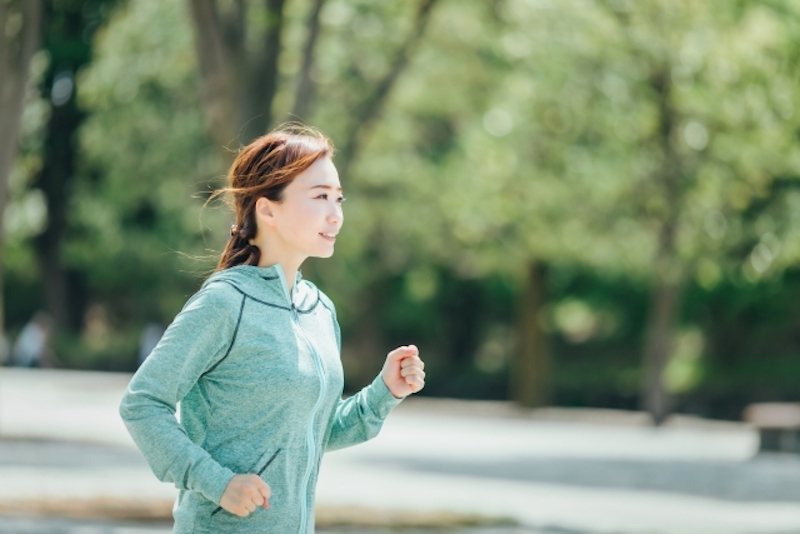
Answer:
(245, 493)
(403, 371)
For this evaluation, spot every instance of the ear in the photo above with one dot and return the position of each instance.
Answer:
(265, 211)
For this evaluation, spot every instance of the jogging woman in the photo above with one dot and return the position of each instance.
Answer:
(254, 358)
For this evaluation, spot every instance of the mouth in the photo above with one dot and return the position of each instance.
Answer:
(328, 237)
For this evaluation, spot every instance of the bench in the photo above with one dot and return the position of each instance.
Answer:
(778, 425)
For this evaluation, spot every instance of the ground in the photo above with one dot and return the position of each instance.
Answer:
(63, 451)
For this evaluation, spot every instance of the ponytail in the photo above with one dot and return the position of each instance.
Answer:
(239, 250)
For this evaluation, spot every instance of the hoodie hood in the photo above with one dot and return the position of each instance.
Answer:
(268, 285)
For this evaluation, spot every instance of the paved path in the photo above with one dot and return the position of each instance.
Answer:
(553, 471)
(28, 525)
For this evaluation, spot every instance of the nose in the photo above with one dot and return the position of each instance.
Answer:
(336, 215)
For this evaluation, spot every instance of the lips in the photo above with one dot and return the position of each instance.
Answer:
(329, 237)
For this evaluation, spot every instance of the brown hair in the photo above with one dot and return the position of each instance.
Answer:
(263, 169)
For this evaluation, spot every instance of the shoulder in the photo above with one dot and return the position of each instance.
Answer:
(315, 296)
(215, 295)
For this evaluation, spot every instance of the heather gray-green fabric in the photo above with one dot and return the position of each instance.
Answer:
(259, 379)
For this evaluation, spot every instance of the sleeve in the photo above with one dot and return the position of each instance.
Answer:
(358, 418)
(199, 338)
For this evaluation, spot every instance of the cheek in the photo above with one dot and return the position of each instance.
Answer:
(307, 218)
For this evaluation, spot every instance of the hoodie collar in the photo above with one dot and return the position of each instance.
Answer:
(267, 284)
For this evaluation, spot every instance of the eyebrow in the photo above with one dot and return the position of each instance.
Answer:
(325, 187)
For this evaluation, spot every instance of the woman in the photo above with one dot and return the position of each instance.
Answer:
(253, 358)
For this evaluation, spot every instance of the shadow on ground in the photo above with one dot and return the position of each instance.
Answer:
(767, 477)
(66, 455)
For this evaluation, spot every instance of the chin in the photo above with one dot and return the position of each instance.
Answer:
(324, 254)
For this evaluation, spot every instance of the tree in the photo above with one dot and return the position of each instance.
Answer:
(639, 139)
(22, 23)
(69, 30)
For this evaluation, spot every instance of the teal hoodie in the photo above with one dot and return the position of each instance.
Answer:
(258, 376)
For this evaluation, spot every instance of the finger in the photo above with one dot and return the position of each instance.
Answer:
(411, 371)
(403, 352)
(265, 492)
(398, 354)
(412, 361)
(263, 488)
(415, 383)
(251, 490)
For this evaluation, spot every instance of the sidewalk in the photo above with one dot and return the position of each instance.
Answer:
(577, 471)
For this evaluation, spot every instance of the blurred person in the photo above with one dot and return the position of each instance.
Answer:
(151, 335)
(254, 358)
(32, 346)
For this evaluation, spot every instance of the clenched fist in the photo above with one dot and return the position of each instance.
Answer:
(403, 373)
(245, 493)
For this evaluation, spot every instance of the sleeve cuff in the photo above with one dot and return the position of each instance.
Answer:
(216, 479)
(380, 399)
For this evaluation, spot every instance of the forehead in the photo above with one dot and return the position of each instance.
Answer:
(321, 173)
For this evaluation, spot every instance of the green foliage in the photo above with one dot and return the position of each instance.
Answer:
(149, 164)
(522, 130)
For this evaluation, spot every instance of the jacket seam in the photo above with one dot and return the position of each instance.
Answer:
(233, 338)
(254, 298)
(313, 306)
(309, 310)
(333, 313)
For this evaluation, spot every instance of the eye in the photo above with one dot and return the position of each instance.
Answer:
(341, 199)
(323, 196)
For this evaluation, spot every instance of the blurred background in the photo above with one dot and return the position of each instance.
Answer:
(586, 213)
(583, 203)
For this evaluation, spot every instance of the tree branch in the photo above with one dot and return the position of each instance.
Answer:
(304, 95)
(369, 110)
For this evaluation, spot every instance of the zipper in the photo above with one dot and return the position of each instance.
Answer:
(310, 438)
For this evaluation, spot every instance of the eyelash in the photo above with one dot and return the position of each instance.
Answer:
(324, 196)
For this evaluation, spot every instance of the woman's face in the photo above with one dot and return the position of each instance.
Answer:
(308, 218)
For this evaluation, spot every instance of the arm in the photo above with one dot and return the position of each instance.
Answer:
(197, 340)
(360, 417)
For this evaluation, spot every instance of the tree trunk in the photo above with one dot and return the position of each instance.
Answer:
(259, 82)
(667, 268)
(662, 318)
(16, 50)
(55, 180)
(68, 40)
(217, 73)
(238, 85)
(531, 370)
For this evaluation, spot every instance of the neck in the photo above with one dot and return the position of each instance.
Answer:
(271, 254)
